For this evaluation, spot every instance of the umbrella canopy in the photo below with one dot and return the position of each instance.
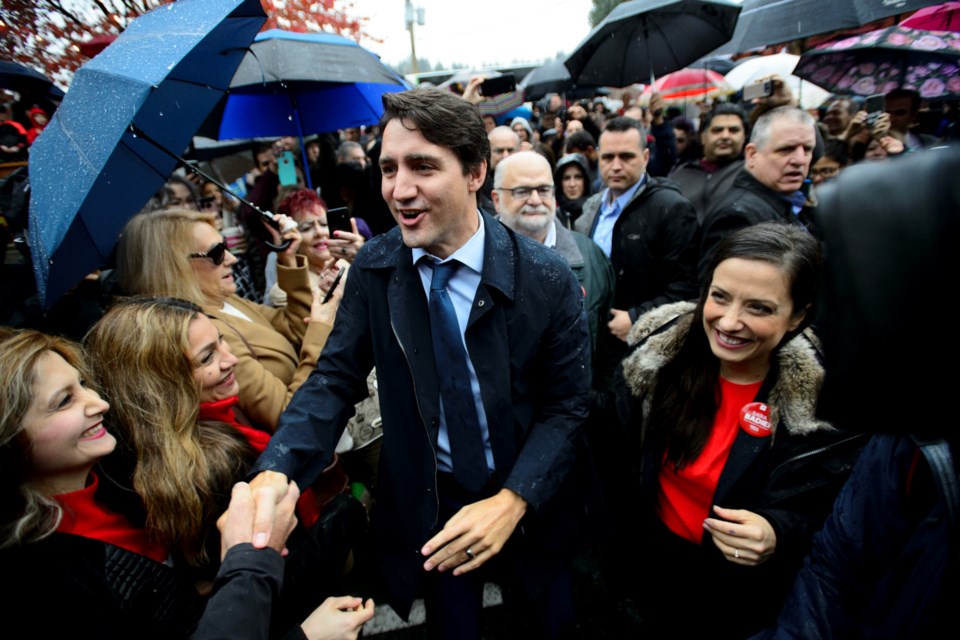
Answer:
(943, 17)
(809, 95)
(887, 59)
(552, 77)
(296, 84)
(767, 22)
(689, 85)
(90, 169)
(23, 79)
(646, 38)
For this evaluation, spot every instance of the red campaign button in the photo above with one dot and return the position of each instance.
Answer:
(755, 419)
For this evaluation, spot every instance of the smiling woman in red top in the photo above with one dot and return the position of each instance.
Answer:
(736, 471)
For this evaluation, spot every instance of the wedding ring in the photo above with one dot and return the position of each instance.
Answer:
(736, 553)
(470, 553)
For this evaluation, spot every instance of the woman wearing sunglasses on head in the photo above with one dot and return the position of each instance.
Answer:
(181, 254)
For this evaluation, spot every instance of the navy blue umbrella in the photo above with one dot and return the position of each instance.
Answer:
(23, 79)
(113, 141)
(296, 84)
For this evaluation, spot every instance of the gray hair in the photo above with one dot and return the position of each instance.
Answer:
(344, 149)
(760, 137)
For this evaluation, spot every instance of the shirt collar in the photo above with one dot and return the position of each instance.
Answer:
(470, 252)
(551, 239)
(625, 197)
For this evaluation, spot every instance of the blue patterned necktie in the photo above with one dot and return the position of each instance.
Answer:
(459, 408)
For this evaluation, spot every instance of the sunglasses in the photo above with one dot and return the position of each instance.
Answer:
(215, 254)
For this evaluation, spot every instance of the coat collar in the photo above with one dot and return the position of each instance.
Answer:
(499, 255)
(657, 336)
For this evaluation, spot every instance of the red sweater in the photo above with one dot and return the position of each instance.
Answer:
(685, 496)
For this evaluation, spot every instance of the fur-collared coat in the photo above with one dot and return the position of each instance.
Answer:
(790, 478)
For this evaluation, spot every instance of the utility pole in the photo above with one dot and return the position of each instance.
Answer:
(413, 15)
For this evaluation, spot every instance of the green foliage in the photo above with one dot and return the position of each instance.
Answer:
(601, 9)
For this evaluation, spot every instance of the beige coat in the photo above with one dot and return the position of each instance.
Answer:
(276, 349)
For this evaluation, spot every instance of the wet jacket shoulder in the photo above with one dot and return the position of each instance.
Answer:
(703, 188)
(885, 563)
(748, 202)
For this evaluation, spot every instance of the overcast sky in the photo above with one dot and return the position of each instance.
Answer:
(483, 33)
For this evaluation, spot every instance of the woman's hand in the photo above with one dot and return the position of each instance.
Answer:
(338, 619)
(345, 245)
(289, 231)
(327, 312)
(742, 536)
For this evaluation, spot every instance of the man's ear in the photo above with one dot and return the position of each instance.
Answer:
(476, 175)
(495, 196)
(749, 152)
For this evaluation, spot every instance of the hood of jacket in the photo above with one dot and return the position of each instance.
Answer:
(656, 339)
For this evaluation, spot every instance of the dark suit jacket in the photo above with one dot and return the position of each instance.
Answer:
(528, 340)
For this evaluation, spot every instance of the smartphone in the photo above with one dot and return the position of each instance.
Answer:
(501, 84)
(875, 106)
(286, 170)
(339, 220)
(333, 287)
(758, 90)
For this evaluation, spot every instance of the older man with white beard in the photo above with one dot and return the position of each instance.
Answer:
(525, 197)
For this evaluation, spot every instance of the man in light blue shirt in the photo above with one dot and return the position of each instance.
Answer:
(481, 472)
(643, 224)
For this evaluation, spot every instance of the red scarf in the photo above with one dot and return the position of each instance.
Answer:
(222, 411)
(84, 516)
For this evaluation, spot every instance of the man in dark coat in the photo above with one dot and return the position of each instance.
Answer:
(643, 224)
(769, 187)
(705, 180)
(520, 314)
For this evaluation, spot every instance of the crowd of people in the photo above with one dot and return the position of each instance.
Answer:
(469, 349)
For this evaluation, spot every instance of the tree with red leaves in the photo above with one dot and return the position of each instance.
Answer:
(48, 34)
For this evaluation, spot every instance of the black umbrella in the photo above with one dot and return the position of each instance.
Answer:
(646, 38)
(766, 22)
(551, 77)
(23, 79)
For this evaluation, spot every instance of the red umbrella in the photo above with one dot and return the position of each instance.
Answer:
(688, 84)
(96, 44)
(942, 17)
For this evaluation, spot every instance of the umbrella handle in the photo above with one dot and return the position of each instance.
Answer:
(268, 218)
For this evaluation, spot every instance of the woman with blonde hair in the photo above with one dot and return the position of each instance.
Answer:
(68, 551)
(181, 467)
(181, 254)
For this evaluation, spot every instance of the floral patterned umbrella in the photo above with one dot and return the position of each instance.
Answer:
(927, 62)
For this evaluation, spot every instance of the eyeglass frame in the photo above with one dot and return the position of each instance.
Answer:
(215, 254)
(552, 191)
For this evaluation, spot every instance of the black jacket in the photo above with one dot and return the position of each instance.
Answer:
(653, 249)
(702, 188)
(748, 202)
(528, 340)
(70, 586)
